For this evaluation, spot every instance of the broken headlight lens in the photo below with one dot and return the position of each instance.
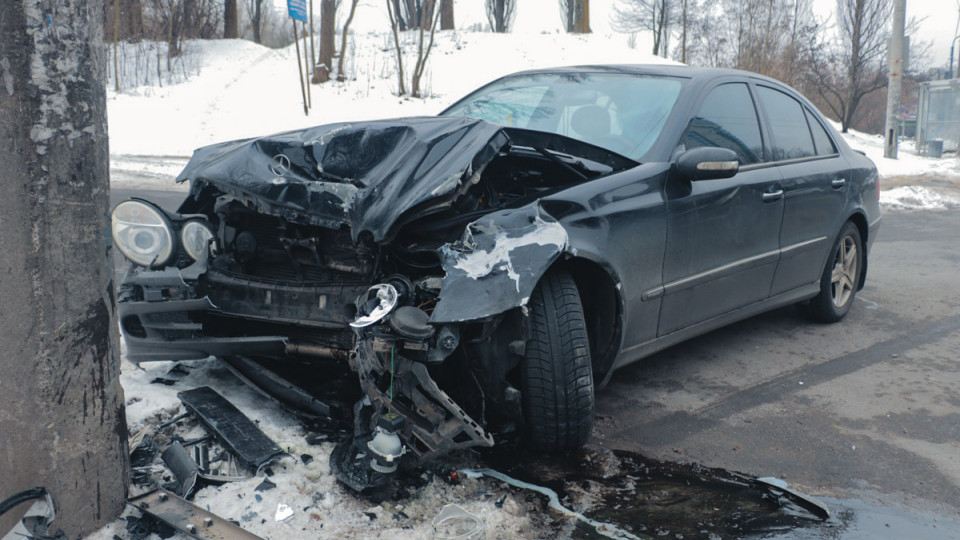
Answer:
(195, 237)
(142, 233)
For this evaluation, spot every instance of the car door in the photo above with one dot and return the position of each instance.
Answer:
(815, 184)
(723, 236)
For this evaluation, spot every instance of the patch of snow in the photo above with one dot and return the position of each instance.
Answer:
(916, 198)
(321, 506)
(908, 162)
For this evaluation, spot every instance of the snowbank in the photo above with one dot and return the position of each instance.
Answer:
(245, 90)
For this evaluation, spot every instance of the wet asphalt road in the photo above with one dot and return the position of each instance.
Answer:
(869, 407)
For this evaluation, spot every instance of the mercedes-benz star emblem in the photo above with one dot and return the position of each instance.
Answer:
(280, 165)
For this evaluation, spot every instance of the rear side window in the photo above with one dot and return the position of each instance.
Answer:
(728, 119)
(790, 134)
(823, 142)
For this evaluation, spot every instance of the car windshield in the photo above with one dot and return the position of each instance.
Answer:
(617, 111)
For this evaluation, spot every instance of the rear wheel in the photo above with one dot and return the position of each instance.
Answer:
(557, 378)
(840, 278)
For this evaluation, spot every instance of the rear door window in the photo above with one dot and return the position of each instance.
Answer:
(790, 135)
(821, 139)
(728, 119)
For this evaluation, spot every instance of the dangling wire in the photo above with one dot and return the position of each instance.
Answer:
(392, 348)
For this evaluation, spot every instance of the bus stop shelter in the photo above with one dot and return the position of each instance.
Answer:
(938, 117)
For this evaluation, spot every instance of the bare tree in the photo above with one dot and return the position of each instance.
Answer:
(409, 13)
(392, 12)
(343, 40)
(500, 14)
(423, 54)
(62, 421)
(123, 19)
(656, 16)
(843, 75)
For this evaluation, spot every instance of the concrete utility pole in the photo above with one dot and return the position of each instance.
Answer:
(895, 55)
(62, 423)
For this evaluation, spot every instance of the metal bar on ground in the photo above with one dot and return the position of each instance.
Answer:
(188, 517)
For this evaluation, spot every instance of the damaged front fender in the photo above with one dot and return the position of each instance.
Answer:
(497, 263)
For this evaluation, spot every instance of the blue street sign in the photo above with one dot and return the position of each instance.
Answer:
(297, 10)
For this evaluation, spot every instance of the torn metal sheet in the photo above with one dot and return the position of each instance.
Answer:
(231, 427)
(189, 518)
(497, 263)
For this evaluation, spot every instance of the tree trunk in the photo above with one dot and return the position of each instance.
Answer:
(230, 24)
(581, 14)
(328, 29)
(256, 21)
(446, 15)
(62, 421)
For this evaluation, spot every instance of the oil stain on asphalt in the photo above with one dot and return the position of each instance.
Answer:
(658, 499)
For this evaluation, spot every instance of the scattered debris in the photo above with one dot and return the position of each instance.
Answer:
(187, 517)
(605, 529)
(142, 527)
(172, 421)
(266, 485)
(39, 516)
(234, 430)
(284, 512)
(780, 488)
(184, 468)
(455, 523)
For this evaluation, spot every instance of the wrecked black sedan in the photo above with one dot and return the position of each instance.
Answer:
(483, 270)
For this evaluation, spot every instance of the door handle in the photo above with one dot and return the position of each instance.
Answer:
(838, 183)
(771, 196)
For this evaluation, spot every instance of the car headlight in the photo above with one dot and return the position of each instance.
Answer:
(195, 237)
(142, 233)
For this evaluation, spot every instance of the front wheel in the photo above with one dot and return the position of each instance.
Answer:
(557, 377)
(840, 278)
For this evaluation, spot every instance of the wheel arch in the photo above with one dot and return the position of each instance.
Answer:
(860, 220)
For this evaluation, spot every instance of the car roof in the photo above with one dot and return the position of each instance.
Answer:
(667, 70)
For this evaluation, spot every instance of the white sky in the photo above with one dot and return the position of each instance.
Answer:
(536, 16)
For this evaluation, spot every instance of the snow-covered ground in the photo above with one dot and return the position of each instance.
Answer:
(238, 89)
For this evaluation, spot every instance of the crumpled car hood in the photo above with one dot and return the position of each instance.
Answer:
(364, 174)
(367, 175)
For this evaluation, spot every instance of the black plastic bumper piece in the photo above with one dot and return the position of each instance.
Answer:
(234, 430)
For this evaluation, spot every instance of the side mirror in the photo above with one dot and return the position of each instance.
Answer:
(707, 163)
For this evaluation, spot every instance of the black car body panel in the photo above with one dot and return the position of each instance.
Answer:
(411, 248)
